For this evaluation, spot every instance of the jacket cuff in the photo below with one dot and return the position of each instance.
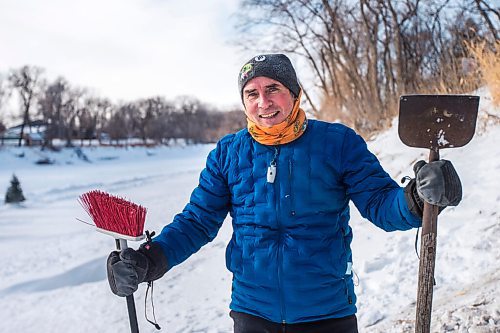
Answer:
(415, 203)
(158, 264)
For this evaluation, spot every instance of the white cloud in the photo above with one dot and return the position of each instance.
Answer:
(126, 49)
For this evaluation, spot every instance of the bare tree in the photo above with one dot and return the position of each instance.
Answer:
(91, 117)
(52, 102)
(122, 122)
(104, 110)
(65, 109)
(347, 50)
(162, 126)
(4, 96)
(362, 55)
(117, 126)
(150, 111)
(490, 14)
(231, 121)
(26, 81)
(5, 91)
(72, 110)
(185, 118)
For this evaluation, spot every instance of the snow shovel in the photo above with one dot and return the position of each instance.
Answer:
(433, 122)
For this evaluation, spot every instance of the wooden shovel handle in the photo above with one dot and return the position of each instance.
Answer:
(427, 262)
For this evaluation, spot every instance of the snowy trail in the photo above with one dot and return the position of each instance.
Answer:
(59, 276)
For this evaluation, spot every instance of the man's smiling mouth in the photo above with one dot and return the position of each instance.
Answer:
(269, 115)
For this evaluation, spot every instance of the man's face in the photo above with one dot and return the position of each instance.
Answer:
(267, 102)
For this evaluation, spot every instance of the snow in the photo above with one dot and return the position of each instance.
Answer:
(52, 268)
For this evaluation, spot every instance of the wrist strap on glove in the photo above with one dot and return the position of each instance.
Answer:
(157, 271)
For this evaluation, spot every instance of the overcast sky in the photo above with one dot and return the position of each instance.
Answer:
(127, 49)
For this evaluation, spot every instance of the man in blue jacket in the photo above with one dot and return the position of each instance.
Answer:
(286, 181)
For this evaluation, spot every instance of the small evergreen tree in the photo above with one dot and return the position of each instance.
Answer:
(14, 192)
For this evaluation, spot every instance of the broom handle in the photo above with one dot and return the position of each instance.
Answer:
(121, 244)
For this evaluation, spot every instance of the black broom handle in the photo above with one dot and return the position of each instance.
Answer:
(121, 244)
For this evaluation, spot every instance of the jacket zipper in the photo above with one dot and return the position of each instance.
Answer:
(280, 240)
(290, 181)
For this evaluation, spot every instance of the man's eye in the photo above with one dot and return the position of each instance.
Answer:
(251, 95)
(273, 89)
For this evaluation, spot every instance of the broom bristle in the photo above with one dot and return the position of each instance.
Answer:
(113, 213)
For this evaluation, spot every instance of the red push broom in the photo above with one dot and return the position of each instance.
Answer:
(121, 219)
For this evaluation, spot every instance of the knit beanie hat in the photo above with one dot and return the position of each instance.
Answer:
(275, 66)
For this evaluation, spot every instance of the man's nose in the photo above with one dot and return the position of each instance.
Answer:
(264, 101)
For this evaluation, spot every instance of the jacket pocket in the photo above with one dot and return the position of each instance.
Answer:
(229, 252)
(347, 292)
(346, 252)
(234, 259)
(348, 262)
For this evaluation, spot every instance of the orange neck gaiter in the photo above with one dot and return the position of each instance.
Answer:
(287, 131)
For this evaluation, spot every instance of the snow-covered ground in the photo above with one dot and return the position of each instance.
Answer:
(52, 267)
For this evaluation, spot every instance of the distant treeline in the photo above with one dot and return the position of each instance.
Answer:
(70, 113)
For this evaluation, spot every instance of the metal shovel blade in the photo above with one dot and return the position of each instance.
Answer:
(437, 121)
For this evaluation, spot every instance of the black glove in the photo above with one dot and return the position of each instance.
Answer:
(128, 268)
(436, 183)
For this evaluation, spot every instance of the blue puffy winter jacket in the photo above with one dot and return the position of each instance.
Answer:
(290, 250)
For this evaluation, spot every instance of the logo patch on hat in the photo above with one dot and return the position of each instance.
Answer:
(245, 70)
(260, 58)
